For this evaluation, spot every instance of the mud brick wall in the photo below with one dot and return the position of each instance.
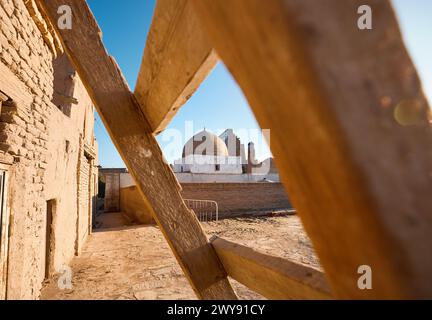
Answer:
(234, 199)
(44, 144)
(239, 198)
(84, 205)
(132, 204)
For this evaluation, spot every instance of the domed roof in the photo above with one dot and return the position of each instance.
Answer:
(205, 143)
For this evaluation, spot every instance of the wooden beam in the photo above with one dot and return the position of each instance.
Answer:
(132, 135)
(177, 58)
(272, 277)
(349, 131)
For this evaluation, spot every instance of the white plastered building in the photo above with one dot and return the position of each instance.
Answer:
(207, 153)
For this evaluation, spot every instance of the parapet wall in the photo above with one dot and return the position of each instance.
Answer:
(233, 199)
(132, 205)
(240, 198)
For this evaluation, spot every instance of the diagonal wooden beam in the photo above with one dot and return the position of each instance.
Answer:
(349, 131)
(177, 58)
(132, 135)
(273, 277)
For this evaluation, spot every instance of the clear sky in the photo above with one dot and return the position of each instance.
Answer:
(219, 104)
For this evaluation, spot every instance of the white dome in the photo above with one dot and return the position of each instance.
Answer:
(205, 143)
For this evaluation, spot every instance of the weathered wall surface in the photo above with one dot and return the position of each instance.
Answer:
(225, 178)
(47, 148)
(187, 177)
(133, 206)
(232, 198)
(239, 198)
(112, 192)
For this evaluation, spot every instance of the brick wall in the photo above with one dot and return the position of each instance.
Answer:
(84, 178)
(239, 198)
(44, 145)
(233, 198)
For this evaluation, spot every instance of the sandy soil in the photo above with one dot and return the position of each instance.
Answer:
(135, 262)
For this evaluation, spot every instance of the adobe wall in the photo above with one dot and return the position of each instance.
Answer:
(132, 204)
(233, 198)
(48, 151)
(187, 177)
(239, 198)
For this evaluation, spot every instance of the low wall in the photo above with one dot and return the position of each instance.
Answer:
(187, 177)
(240, 198)
(132, 204)
(233, 199)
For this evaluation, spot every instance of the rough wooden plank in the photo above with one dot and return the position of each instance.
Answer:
(273, 277)
(177, 58)
(131, 133)
(359, 177)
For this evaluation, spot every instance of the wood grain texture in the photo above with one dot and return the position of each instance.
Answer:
(349, 131)
(132, 135)
(273, 277)
(177, 58)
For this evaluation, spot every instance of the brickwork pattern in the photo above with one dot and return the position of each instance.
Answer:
(45, 146)
(240, 198)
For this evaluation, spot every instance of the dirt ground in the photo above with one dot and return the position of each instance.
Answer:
(135, 262)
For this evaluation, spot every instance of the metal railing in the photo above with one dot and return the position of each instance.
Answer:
(205, 210)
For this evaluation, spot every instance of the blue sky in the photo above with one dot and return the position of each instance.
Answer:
(416, 24)
(219, 103)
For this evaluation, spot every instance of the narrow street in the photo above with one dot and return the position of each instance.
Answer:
(134, 262)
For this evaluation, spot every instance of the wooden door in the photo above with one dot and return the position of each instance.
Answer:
(112, 192)
(49, 245)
